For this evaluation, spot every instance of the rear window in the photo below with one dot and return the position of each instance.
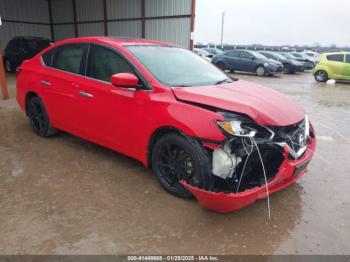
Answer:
(67, 57)
(337, 58)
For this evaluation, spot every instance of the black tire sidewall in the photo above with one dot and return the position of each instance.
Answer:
(47, 130)
(198, 156)
(323, 80)
(8, 66)
(288, 68)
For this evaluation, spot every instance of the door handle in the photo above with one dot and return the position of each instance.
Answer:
(82, 93)
(45, 83)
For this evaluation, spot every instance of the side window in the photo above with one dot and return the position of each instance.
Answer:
(103, 63)
(232, 54)
(337, 58)
(48, 57)
(68, 58)
(267, 55)
(347, 59)
(246, 55)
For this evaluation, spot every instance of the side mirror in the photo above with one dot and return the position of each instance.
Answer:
(126, 80)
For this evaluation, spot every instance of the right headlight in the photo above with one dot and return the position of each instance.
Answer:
(240, 126)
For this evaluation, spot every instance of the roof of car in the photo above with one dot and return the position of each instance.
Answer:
(31, 38)
(336, 53)
(116, 41)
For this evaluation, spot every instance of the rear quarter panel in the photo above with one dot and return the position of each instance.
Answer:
(27, 79)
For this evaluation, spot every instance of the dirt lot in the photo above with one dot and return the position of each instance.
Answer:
(64, 195)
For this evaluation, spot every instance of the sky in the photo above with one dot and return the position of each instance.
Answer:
(274, 22)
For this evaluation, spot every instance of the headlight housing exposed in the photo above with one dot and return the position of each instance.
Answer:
(240, 126)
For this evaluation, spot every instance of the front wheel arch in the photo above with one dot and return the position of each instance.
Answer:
(156, 135)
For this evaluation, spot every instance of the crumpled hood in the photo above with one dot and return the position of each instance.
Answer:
(262, 104)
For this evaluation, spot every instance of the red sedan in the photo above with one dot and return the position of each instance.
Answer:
(225, 141)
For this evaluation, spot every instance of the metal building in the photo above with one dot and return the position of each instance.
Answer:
(167, 20)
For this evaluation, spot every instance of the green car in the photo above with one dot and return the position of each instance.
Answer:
(335, 65)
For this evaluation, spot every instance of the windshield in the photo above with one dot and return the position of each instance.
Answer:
(257, 55)
(288, 55)
(203, 52)
(175, 66)
(297, 55)
(278, 56)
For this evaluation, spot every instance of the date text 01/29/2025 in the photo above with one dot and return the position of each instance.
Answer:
(173, 258)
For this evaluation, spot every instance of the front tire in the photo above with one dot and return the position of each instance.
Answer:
(176, 158)
(321, 76)
(39, 119)
(288, 69)
(260, 71)
(221, 65)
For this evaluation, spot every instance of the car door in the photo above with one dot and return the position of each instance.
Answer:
(108, 114)
(346, 69)
(247, 61)
(336, 64)
(232, 59)
(57, 79)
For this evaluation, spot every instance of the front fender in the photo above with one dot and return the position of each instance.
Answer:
(188, 119)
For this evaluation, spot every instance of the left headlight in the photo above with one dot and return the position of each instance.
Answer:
(266, 64)
(240, 126)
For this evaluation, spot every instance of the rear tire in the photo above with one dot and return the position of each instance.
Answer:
(260, 71)
(321, 76)
(175, 158)
(39, 119)
(8, 66)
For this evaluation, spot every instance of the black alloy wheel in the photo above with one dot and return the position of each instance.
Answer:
(39, 119)
(176, 158)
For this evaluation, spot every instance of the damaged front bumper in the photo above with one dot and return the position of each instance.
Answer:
(289, 171)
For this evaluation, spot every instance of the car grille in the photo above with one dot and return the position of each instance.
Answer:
(295, 136)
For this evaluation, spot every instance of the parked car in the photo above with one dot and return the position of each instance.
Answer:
(21, 48)
(290, 66)
(312, 54)
(307, 62)
(334, 65)
(247, 61)
(202, 133)
(203, 53)
(305, 57)
(305, 66)
(214, 50)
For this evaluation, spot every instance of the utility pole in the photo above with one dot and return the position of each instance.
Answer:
(222, 29)
(3, 82)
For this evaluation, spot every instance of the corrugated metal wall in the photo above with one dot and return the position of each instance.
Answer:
(174, 30)
(123, 9)
(35, 11)
(124, 18)
(167, 7)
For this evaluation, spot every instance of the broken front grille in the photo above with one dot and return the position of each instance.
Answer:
(293, 136)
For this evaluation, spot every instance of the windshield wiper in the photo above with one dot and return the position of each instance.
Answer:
(181, 86)
(227, 80)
